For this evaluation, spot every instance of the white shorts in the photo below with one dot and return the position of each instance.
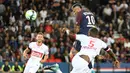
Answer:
(80, 65)
(31, 68)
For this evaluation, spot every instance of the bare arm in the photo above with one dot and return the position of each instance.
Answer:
(112, 55)
(45, 59)
(116, 62)
(25, 52)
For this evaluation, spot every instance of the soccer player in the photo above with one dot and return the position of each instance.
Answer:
(90, 48)
(38, 50)
(85, 19)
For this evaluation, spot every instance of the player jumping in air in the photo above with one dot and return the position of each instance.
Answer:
(38, 50)
(85, 19)
(90, 47)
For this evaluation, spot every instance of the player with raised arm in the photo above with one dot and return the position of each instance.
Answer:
(90, 48)
(38, 50)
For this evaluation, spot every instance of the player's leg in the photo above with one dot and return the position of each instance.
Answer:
(75, 64)
(81, 70)
(26, 70)
(34, 69)
(79, 65)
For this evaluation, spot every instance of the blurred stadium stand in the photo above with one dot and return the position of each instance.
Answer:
(112, 17)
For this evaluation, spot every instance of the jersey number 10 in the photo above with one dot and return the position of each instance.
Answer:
(91, 19)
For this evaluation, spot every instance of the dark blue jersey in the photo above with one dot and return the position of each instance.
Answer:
(85, 20)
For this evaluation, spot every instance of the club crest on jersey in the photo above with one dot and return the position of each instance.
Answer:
(37, 54)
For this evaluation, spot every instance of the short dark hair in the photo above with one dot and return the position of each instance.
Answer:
(93, 32)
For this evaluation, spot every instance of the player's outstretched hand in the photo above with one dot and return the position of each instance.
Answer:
(117, 64)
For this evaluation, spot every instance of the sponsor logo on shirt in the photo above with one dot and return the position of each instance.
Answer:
(37, 54)
(87, 47)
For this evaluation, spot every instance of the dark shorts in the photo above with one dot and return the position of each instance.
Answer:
(77, 45)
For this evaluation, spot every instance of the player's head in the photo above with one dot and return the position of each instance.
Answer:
(93, 32)
(40, 37)
(77, 7)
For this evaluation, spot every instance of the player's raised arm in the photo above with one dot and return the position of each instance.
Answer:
(25, 52)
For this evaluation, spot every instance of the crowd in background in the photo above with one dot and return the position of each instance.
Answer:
(16, 32)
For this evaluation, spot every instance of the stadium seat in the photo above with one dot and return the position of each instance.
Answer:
(58, 60)
(51, 60)
(52, 57)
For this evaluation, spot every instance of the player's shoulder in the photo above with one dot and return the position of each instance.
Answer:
(32, 43)
(96, 39)
(101, 42)
(81, 36)
(45, 46)
(87, 12)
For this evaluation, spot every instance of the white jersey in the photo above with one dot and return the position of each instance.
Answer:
(37, 52)
(90, 46)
